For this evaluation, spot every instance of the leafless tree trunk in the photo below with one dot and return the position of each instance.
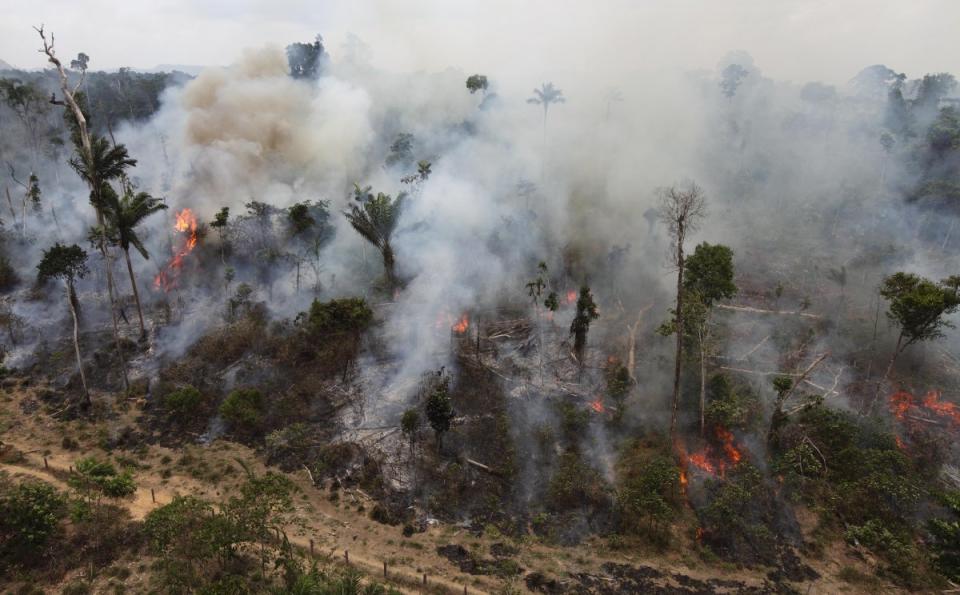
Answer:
(681, 209)
(136, 294)
(72, 298)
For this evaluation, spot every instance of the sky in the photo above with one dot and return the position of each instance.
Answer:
(798, 40)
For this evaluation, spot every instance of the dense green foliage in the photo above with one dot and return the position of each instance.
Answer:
(244, 409)
(30, 516)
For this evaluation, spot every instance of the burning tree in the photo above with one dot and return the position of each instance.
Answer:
(681, 209)
(918, 306)
(124, 215)
(375, 219)
(68, 263)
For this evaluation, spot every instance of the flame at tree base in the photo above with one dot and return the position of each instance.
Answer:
(185, 223)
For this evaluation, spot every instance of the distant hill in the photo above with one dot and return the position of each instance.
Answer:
(6, 66)
(191, 69)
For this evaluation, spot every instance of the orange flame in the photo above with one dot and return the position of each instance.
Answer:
(462, 325)
(683, 481)
(900, 443)
(185, 223)
(597, 405)
(726, 438)
(570, 297)
(902, 401)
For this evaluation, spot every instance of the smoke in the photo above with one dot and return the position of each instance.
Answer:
(796, 181)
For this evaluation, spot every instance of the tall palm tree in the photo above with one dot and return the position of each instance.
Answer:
(375, 219)
(546, 95)
(98, 162)
(123, 216)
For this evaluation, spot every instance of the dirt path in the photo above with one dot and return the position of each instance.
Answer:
(333, 521)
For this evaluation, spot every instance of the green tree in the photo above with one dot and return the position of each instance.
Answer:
(219, 223)
(123, 216)
(439, 409)
(580, 326)
(181, 534)
(244, 408)
(30, 516)
(410, 426)
(477, 82)
(95, 479)
(68, 264)
(375, 219)
(33, 193)
(919, 307)
(681, 209)
(708, 278)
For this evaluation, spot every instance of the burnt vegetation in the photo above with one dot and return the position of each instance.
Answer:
(524, 377)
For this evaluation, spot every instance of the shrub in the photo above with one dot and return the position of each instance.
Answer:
(575, 484)
(30, 515)
(736, 521)
(648, 494)
(95, 479)
(243, 408)
(344, 315)
(183, 402)
(945, 539)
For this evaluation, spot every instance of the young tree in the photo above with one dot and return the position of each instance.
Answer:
(477, 82)
(681, 209)
(580, 326)
(299, 224)
(919, 307)
(219, 223)
(535, 290)
(33, 193)
(124, 214)
(68, 263)
(708, 279)
(375, 219)
(439, 409)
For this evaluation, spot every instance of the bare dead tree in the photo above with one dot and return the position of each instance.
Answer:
(681, 208)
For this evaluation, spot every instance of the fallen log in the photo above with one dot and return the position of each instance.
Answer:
(752, 310)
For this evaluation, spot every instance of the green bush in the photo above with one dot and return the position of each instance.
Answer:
(575, 485)
(338, 316)
(30, 516)
(95, 479)
(244, 408)
(648, 494)
(183, 402)
(945, 539)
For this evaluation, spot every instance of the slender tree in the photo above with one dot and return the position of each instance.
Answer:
(219, 223)
(375, 219)
(580, 326)
(918, 306)
(681, 209)
(124, 214)
(68, 263)
(546, 96)
(708, 279)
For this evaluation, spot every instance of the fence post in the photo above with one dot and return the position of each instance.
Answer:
(153, 496)
(384, 569)
(346, 556)
(311, 548)
(45, 466)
